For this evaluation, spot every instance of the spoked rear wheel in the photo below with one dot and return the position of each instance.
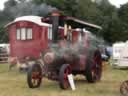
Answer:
(94, 68)
(34, 76)
(63, 76)
(124, 88)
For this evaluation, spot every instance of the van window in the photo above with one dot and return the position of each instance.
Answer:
(29, 33)
(18, 34)
(50, 33)
(24, 33)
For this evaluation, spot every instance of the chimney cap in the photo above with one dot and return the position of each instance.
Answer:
(55, 13)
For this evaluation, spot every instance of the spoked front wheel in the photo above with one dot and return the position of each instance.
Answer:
(34, 76)
(65, 70)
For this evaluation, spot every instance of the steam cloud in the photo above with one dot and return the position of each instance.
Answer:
(73, 53)
(29, 8)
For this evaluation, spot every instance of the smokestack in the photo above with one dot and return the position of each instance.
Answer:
(55, 24)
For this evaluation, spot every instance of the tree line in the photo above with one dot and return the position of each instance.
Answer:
(113, 20)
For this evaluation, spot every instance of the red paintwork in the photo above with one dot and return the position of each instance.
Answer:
(23, 48)
(31, 48)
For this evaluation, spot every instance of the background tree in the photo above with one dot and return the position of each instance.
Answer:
(113, 20)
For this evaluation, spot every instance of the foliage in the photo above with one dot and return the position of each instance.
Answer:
(113, 20)
(100, 12)
(69, 7)
(3, 35)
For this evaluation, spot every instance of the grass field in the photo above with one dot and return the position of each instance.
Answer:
(13, 83)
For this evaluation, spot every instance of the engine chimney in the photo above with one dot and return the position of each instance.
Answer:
(55, 24)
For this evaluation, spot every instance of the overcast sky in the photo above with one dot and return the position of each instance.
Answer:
(2, 3)
(114, 2)
(118, 2)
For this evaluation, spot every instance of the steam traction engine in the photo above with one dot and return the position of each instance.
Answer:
(67, 54)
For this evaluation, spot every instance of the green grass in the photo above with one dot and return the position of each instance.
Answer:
(13, 83)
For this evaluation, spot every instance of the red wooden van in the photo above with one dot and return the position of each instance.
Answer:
(29, 36)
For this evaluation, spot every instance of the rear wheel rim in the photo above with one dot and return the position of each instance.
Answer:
(124, 88)
(97, 67)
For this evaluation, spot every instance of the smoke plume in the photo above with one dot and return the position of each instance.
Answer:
(28, 8)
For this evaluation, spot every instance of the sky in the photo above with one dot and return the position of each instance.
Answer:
(2, 3)
(114, 2)
(117, 3)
